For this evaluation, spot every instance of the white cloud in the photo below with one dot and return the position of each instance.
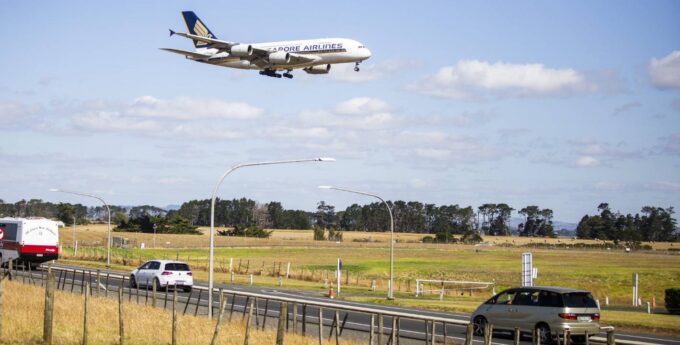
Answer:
(345, 72)
(362, 106)
(665, 72)
(472, 78)
(587, 161)
(186, 108)
(362, 113)
(12, 112)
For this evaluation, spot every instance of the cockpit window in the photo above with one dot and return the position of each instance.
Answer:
(362, 47)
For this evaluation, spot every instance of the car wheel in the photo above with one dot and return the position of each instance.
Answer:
(543, 333)
(133, 282)
(187, 289)
(479, 325)
(157, 282)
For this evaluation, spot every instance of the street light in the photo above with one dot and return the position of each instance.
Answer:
(212, 213)
(390, 295)
(108, 245)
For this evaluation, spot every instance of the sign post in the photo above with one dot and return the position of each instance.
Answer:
(635, 289)
(338, 272)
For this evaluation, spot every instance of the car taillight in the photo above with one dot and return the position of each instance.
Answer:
(166, 273)
(595, 317)
(568, 316)
(189, 274)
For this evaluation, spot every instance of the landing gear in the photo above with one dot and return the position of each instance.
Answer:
(356, 66)
(288, 75)
(270, 73)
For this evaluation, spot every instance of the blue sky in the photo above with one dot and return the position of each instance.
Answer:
(558, 104)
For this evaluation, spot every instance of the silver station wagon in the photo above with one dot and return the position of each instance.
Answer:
(547, 310)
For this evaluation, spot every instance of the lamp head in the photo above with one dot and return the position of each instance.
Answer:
(54, 190)
(325, 159)
(325, 187)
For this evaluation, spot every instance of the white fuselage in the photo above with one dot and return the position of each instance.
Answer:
(324, 51)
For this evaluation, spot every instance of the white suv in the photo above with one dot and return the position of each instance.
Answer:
(164, 274)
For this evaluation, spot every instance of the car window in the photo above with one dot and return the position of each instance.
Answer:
(526, 298)
(176, 266)
(506, 297)
(154, 265)
(550, 299)
(579, 300)
(145, 266)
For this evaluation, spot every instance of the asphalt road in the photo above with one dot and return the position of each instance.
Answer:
(356, 325)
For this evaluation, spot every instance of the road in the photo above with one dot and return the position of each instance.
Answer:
(356, 325)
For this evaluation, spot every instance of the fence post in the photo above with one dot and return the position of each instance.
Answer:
(536, 338)
(9, 269)
(488, 333)
(380, 328)
(566, 339)
(304, 320)
(85, 310)
(250, 315)
(434, 334)
(174, 315)
(610, 337)
(223, 301)
(372, 330)
(517, 335)
(337, 327)
(281, 329)
(320, 326)
(49, 307)
(99, 281)
(121, 328)
(295, 317)
(153, 296)
(587, 340)
(469, 333)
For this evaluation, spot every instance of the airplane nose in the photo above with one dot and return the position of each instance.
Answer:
(367, 53)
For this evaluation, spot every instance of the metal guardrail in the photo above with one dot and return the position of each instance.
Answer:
(101, 280)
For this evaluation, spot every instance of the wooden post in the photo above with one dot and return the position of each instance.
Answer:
(469, 333)
(146, 294)
(295, 317)
(153, 296)
(231, 310)
(537, 338)
(198, 302)
(320, 326)
(106, 290)
(191, 293)
(587, 340)
(488, 333)
(337, 327)
(264, 317)
(566, 339)
(372, 330)
(517, 335)
(165, 304)
(219, 319)
(393, 336)
(121, 328)
(304, 320)
(281, 329)
(434, 334)
(250, 315)
(99, 281)
(174, 315)
(380, 328)
(85, 310)
(49, 307)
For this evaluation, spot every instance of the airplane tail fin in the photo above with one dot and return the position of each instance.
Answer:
(196, 27)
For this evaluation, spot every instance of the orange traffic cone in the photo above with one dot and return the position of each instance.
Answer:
(331, 292)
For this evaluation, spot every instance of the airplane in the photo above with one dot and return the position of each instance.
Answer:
(313, 56)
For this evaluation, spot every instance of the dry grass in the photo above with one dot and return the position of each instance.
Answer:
(23, 319)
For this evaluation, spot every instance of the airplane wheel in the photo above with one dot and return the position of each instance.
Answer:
(356, 69)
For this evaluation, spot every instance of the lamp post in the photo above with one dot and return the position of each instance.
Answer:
(212, 214)
(108, 244)
(390, 294)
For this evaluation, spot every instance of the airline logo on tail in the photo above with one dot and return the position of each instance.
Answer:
(201, 30)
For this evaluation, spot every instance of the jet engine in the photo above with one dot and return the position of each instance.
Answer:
(318, 69)
(241, 50)
(279, 58)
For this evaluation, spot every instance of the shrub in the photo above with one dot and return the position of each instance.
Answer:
(319, 234)
(240, 231)
(334, 235)
(673, 300)
(428, 239)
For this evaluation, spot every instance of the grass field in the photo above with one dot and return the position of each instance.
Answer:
(23, 320)
(605, 273)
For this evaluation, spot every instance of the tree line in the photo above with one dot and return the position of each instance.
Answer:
(443, 221)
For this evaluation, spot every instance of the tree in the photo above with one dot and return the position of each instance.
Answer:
(537, 222)
(325, 215)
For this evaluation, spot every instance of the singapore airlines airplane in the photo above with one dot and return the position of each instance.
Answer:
(312, 56)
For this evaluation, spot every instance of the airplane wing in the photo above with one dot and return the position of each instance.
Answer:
(260, 57)
(215, 43)
(186, 53)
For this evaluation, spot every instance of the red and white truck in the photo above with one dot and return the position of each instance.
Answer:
(30, 240)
